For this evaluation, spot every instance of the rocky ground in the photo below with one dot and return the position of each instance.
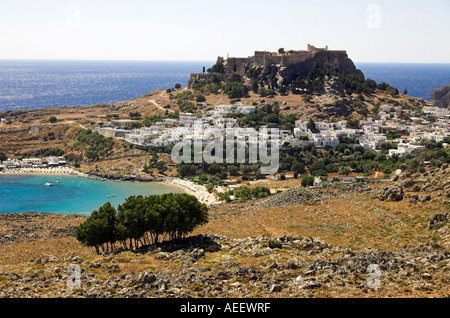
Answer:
(39, 257)
(294, 244)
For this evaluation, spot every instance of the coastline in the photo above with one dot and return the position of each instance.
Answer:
(55, 170)
(189, 187)
(197, 190)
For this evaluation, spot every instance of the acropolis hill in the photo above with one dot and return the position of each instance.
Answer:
(289, 64)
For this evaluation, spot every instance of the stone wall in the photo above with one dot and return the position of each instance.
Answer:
(201, 78)
(292, 63)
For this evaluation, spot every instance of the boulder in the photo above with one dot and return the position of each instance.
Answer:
(391, 194)
(437, 221)
(147, 278)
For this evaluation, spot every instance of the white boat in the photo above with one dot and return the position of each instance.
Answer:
(57, 180)
(49, 183)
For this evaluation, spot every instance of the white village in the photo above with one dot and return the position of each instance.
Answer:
(432, 123)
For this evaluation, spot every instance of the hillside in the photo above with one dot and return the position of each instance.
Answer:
(29, 133)
(318, 246)
(298, 242)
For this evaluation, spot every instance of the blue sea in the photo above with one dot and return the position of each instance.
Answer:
(42, 83)
(72, 195)
(418, 79)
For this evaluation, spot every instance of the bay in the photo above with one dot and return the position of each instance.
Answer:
(72, 195)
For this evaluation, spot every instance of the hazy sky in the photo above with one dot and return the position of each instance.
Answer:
(370, 31)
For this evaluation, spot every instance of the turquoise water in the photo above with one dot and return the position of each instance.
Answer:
(72, 195)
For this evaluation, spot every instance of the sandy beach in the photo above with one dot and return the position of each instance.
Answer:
(45, 170)
(196, 190)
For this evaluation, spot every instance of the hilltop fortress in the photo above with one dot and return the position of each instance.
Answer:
(289, 64)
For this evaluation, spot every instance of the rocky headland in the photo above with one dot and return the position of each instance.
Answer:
(440, 96)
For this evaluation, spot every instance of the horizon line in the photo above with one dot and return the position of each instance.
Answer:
(175, 61)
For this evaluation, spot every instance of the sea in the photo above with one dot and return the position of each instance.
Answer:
(71, 195)
(418, 79)
(31, 84)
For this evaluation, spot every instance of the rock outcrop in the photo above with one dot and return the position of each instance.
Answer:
(336, 60)
(391, 194)
(441, 96)
(288, 65)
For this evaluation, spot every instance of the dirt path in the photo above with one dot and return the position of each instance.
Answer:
(157, 105)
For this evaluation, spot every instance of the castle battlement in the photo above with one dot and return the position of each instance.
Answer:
(265, 58)
(288, 63)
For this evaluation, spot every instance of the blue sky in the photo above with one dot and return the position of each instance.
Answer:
(370, 31)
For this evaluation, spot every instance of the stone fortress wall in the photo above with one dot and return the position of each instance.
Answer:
(265, 59)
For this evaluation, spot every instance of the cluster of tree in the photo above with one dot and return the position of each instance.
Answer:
(219, 171)
(235, 90)
(49, 136)
(141, 221)
(245, 193)
(388, 89)
(217, 68)
(154, 163)
(185, 100)
(135, 115)
(3, 156)
(94, 145)
(233, 87)
(433, 153)
(46, 152)
(212, 85)
(307, 181)
(208, 182)
(265, 82)
(268, 115)
(112, 116)
(349, 156)
(314, 81)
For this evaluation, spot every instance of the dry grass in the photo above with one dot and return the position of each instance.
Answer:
(360, 222)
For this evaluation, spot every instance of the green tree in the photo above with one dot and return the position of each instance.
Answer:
(131, 219)
(181, 214)
(186, 170)
(140, 221)
(307, 181)
(161, 166)
(345, 171)
(298, 167)
(243, 193)
(311, 125)
(259, 192)
(200, 98)
(99, 229)
(53, 119)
